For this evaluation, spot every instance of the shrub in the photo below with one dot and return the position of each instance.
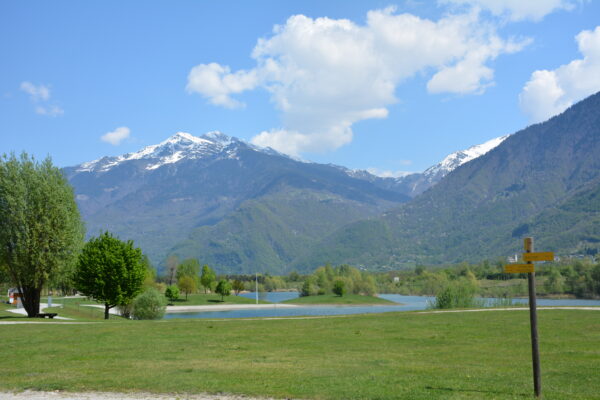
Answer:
(456, 294)
(172, 293)
(339, 288)
(149, 305)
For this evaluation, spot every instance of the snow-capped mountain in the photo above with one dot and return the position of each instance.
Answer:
(458, 158)
(178, 147)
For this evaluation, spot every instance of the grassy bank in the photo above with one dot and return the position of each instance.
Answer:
(387, 356)
(347, 299)
(211, 299)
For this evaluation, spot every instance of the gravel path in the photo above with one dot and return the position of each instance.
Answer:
(58, 395)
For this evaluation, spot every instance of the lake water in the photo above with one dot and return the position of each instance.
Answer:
(408, 303)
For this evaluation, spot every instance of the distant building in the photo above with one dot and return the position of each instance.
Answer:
(396, 279)
(513, 259)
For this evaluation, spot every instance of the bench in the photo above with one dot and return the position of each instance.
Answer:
(46, 315)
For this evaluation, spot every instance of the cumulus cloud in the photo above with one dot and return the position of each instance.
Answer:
(550, 92)
(117, 136)
(51, 110)
(326, 74)
(517, 10)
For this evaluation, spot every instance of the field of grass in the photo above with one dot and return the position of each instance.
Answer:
(201, 299)
(483, 355)
(347, 299)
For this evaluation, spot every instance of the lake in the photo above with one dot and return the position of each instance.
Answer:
(407, 303)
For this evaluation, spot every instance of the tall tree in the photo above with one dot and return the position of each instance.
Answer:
(41, 231)
(223, 288)
(188, 267)
(110, 271)
(208, 277)
(172, 265)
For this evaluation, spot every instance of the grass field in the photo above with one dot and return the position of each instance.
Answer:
(210, 299)
(484, 355)
(347, 299)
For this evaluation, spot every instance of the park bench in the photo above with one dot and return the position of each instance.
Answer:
(46, 315)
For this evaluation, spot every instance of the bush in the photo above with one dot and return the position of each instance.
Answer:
(456, 294)
(149, 305)
(172, 293)
(339, 288)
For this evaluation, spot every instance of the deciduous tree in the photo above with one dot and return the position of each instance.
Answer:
(110, 271)
(40, 228)
(207, 278)
(223, 288)
(187, 285)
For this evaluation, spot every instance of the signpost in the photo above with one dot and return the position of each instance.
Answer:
(529, 256)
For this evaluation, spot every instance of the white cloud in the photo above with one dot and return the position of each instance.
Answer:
(40, 95)
(117, 136)
(326, 74)
(550, 92)
(517, 10)
(387, 173)
(217, 83)
(51, 111)
(37, 93)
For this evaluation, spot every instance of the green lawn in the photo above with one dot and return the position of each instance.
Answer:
(347, 299)
(481, 355)
(212, 299)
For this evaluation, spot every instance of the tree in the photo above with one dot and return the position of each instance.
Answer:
(188, 267)
(149, 305)
(237, 286)
(172, 264)
(207, 278)
(41, 232)
(187, 284)
(172, 293)
(110, 271)
(339, 288)
(223, 288)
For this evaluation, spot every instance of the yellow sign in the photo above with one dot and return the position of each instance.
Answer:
(541, 256)
(518, 268)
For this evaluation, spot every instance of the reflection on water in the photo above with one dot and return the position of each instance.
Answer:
(407, 303)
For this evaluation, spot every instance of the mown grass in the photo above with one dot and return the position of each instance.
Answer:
(202, 299)
(347, 299)
(481, 355)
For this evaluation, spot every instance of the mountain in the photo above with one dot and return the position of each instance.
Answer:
(416, 183)
(237, 206)
(542, 181)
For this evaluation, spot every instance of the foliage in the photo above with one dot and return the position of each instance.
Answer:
(110, 271)
(187, 284)
(237, 286)
(188, 267)
(339, 287)
(149, 305)
(207, 278)
(40, 228)
(308, 289)
(457, 294)
(172, 293)
(223, 288)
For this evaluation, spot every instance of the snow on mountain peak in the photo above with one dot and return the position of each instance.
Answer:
(177, 147)
(456, 159)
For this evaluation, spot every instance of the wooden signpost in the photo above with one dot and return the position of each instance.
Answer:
(529, 256)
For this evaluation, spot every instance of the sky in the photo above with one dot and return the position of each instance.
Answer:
(391, 87)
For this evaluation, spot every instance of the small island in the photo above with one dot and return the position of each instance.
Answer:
(347, 299)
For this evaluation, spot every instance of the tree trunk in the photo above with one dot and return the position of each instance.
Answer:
(106, 308)
(31, 300)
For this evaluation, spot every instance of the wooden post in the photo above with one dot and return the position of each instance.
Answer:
(535, 352)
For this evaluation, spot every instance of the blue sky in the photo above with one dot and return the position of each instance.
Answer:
(390, 86)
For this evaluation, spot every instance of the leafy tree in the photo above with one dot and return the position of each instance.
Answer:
(189, 267)
(172, 264)
(187, 284)
(150, 280)
(172, 293)
(308, 289)
(237, 286)
(223, 288)
(339, 288)
(40, 228)
(110, 271)
(207, 278)
(149, 305)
